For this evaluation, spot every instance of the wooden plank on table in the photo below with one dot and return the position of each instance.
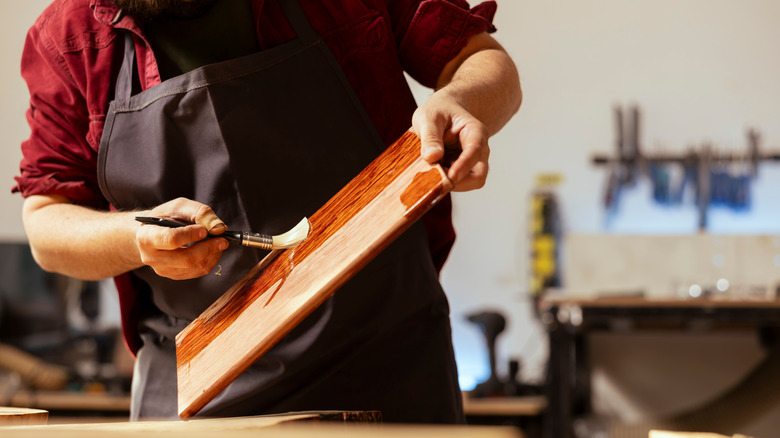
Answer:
(346, 233)
(74, 401)
(10, 416)
(526, 406)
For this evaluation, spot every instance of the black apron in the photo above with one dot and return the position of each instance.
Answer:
(265, 140)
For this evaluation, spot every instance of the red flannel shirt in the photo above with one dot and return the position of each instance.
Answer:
(71, 57)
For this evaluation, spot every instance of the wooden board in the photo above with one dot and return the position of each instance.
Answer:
(346, 233)
(527, 406)
(22, 416)
(71, 401)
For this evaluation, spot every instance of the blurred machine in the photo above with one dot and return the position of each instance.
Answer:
(54, 335)
(492, 324)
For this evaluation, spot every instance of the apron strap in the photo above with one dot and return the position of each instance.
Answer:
(124, 82)
(297, 18)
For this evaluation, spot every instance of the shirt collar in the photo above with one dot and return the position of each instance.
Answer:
(108, 13)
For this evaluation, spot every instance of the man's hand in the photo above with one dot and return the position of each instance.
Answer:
(443, 124)
(181, 253)
(477, 93)
(88, 244)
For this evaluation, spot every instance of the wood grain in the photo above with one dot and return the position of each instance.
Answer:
(346, 233)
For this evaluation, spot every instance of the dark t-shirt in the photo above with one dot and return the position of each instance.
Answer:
(225, 31)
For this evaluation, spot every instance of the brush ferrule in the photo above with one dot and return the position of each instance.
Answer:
(254, 240)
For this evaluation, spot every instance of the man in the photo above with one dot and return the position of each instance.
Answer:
(252, 114)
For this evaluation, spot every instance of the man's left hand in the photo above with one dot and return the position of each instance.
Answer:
(478, 91)
(441, 122)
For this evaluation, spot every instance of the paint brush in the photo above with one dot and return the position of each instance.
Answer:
(254, 240)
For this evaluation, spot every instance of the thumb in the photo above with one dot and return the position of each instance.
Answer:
(430, 129)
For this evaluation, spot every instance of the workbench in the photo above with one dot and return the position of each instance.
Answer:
(66, 401)
(293, 425)
(525, 412)
(569, 320)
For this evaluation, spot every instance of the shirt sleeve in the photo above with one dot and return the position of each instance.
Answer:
(57, 158)
(435, 31)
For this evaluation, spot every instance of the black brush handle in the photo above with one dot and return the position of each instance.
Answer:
(232, 236)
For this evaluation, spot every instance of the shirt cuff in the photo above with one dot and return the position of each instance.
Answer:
(78, 192)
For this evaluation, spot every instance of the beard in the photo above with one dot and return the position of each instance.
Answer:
(157, 10)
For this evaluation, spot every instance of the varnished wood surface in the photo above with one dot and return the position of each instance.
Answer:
(10, 416)
(346, 233)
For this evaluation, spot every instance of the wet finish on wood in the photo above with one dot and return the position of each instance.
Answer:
(346, 233)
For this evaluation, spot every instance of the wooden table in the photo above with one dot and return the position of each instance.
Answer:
(505, 406)
(525, 412)
(71, 401)
(569, 319)
(287, 426)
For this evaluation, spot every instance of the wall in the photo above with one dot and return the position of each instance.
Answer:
(15, 19)
(702, 70)
(664, 266)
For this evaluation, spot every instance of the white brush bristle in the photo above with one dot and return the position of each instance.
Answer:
(294, 237)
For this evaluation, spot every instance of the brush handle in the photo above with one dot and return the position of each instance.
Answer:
(237, 237)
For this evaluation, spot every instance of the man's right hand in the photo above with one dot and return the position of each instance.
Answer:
(181, 253)
(83, 243)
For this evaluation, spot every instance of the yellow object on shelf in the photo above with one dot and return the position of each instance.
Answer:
(545, 231)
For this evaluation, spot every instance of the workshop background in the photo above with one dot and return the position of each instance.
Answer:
(695, 79)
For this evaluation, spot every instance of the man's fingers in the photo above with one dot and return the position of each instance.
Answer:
(183, 252)
(187, 262)
(191, 211)
(205, 216)
(167, 239)
(473, 160)
(430, 128)
(474, 180)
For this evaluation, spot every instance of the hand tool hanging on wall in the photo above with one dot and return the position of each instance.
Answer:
(721, 179)
(625, 171)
